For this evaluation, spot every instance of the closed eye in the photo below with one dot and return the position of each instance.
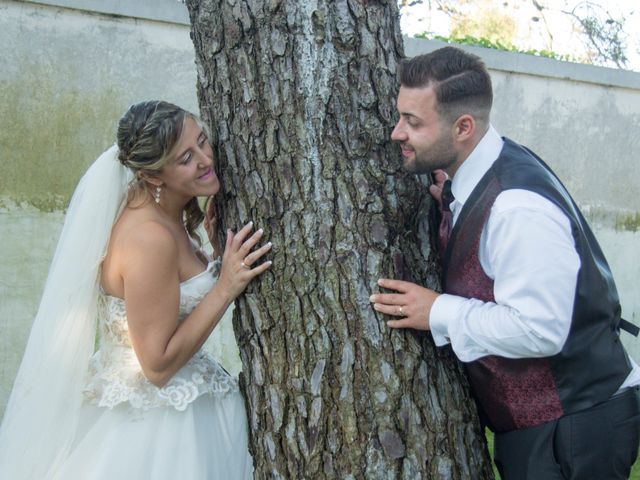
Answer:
(186, 158)
(412, 121)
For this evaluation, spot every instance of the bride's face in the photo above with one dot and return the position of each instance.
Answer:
(189, 170)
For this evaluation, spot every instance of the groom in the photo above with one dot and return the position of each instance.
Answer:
(529, 303)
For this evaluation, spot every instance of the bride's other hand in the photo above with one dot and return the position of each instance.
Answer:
(435, 189)
(236, 270)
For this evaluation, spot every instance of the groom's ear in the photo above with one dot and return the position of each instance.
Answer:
(464, 128)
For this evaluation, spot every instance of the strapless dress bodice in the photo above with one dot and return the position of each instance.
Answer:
(115, 375)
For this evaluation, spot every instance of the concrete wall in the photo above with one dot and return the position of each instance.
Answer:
(72, 67)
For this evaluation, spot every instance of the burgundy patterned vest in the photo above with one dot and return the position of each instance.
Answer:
(520, 393)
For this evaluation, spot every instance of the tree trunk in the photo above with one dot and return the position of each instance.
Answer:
(300, 98)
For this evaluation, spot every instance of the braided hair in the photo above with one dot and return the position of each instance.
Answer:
(146, 134)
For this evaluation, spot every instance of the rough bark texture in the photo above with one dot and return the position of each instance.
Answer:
(300, 97)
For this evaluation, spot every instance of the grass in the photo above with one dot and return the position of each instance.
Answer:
(635, 469)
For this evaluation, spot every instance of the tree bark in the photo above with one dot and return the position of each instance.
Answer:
(300, 99)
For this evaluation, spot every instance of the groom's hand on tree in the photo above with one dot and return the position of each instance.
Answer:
(411, 304)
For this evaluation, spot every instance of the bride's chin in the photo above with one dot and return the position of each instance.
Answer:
(204, 190)
(210, 192)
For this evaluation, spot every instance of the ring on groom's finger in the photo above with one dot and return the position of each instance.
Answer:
(400, 311)
(244, 265)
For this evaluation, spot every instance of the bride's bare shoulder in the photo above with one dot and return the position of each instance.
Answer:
(140, 235)
(139, 232)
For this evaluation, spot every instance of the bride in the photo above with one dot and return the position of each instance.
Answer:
(129, 278)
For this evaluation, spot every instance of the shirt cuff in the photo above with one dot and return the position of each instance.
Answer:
(443, 312)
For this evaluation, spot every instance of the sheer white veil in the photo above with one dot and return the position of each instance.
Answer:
(41, 418)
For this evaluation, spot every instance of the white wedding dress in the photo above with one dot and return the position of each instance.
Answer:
(193, 428)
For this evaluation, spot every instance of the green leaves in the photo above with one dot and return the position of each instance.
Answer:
(496, 45)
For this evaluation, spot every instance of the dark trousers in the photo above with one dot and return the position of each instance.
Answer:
(599, 443)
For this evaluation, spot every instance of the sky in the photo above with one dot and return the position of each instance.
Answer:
(531, 34)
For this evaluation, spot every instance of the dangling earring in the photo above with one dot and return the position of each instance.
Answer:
(156, 195)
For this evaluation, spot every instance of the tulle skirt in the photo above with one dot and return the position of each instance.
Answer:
(206, 441)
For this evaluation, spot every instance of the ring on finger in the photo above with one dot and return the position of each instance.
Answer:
(400, 311)
(244, 265)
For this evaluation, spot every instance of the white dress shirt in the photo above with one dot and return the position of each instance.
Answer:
(527, 249)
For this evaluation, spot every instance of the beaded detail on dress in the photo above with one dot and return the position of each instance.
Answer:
(115, 375)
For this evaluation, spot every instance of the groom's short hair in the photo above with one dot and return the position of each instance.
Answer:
(460, 81)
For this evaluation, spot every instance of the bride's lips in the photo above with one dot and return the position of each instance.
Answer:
(206, 175)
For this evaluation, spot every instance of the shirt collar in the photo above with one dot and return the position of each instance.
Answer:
(476, 165)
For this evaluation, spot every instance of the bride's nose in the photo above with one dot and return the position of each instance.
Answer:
(204, 160)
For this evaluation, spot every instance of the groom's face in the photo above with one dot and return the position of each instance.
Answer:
(426, 139)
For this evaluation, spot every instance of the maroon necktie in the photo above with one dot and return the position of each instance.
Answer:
(446, 221)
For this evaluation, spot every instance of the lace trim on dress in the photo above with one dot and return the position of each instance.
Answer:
(116, 377)
(111, 385)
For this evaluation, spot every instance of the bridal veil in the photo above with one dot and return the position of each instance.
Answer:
(43, 411)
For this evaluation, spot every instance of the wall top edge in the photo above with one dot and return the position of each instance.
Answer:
(168, 11)
(174, 11)
(533, 65)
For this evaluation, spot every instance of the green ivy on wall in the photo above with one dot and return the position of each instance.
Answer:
(496, 45)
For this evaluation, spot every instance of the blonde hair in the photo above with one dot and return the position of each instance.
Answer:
(146, 134)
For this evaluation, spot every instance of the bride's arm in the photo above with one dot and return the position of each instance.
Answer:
(152, 297)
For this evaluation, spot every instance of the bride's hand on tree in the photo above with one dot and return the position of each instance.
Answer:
(238, 261)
